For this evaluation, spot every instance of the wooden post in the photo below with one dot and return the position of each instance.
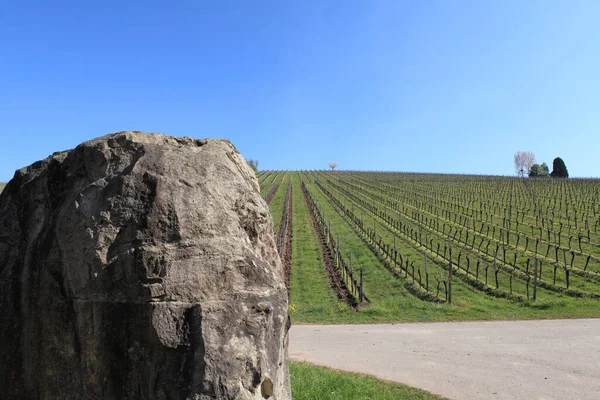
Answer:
(338, 250)
(450, 279)
(426, 271)
(496, 268)
(535, 278)
(374, 231)
(566, 269)
(351, 272)
(360, 292)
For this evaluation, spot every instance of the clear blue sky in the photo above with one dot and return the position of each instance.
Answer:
(432, 86)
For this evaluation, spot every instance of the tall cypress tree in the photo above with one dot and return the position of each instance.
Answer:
(559, 169)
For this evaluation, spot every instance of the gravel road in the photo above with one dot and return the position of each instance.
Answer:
(533, 360)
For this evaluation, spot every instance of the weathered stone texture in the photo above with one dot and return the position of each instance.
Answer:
(140, 266)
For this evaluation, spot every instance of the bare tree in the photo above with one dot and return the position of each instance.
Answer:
(332, 165)
(524, 160)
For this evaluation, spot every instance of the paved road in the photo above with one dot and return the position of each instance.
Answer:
(532, 360)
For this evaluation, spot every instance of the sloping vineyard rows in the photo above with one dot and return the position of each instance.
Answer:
(284, 236)
(560, 255)
(417, 281)
(261, 177)
(503, 272)
(586, 285)
(502, 199)
(269, 183)
(531, 199)
(544, 241)
(344, 280)
(277, 196)
(263, 180)
(400, 230)
(271, 193)
(463, 240)
(517, 208)
(268, 178)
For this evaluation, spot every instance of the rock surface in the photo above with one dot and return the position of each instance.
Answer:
(140, 266)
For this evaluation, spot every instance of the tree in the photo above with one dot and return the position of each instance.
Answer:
(535, 171)
(332, 165)
(524, 160)
(559, 169)
(538, 171)
(254, 165)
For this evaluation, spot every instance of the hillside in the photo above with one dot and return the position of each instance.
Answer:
(362, 247)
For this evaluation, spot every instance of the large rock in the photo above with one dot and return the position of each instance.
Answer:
(140, 266)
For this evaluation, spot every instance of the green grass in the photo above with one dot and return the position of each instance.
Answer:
(312, 298)
(267, 184)
(391, 302)
(311, 382)
(576, 281)
(276, 205)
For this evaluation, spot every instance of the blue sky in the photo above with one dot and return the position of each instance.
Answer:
(429, 86)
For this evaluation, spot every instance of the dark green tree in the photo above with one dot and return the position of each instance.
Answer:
(559, 169)
(538, 171)
(535, 171)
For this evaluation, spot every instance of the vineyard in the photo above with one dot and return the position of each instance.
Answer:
(382, 246)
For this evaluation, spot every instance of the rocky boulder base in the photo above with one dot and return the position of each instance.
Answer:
(140, 266)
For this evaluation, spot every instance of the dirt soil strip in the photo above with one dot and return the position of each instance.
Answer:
(500, 360)
(271, 194)
(287, 239)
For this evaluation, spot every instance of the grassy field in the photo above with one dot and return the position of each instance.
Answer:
(311, 295)
(311, 382)
(2, 187)
(313, 300)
